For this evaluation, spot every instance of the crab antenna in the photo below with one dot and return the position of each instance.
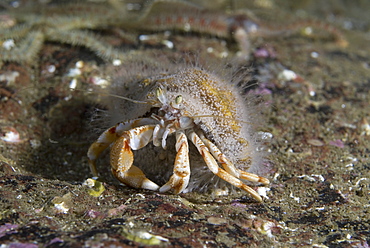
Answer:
(128, 99)
(114, 95)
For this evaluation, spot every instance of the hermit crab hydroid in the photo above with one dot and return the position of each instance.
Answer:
(169, 110)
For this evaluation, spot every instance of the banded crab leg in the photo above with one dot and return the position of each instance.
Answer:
(221, 158)
(229, 166)
(213, 166)
(108, 137)
(122, 158)
(181, 171)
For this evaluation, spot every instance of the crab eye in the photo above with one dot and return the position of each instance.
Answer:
(178, 99)
(186, 122)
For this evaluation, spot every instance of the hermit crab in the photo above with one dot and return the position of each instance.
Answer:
(169, 110)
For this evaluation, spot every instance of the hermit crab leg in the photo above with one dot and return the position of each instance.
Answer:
(181, 171)
(253, 177)
(213, 166)
(221, 158)
(108, 137)
(229, 166)
(122, 158)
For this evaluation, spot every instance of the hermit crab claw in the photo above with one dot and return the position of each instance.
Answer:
(122, 158)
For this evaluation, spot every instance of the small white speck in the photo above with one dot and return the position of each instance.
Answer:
(361, 179)
(349, 125)
(168, 44)
(297, 199)
(102, 82)
(15, 4)
(287, 75)
(144, 235)
(11, 137)
(224, 54)
(353, 159)
(365, 127)
(309, 178)
(262, 191)
(276, 176)
(265, 135)
(67, 98)
(141, 195)
(348, 25)
(210, 50)
(253, 28)
(9, 76)
(8, 44)
(19, 197)
(74, 72)
(61, 208)
(312, 177)
(35, 143)
(349, 165)
(117, 62)
(51, 68)
(143, 37)
(89, 183)
(319, 246)
(73, 84)
(221, 192)
(343, 106)
(133, 6)
(266, 228)
(53, 141)
(290, 150)
(187, 27)
(321, 178)
(79, 64)
(307, 31)
(315, 55)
